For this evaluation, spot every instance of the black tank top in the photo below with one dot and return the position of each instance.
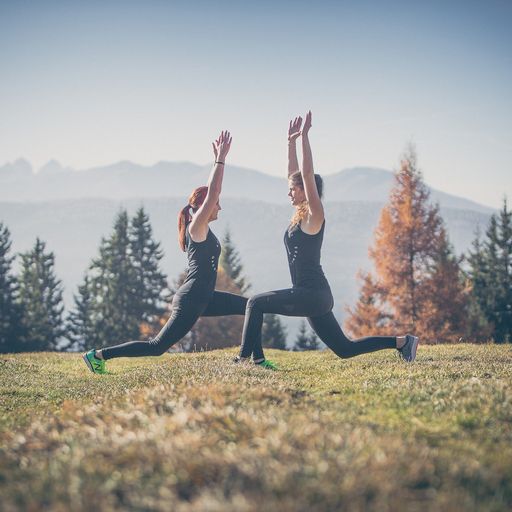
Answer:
(203, 260)
(304, 257)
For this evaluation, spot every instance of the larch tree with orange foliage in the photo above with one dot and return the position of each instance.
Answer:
(414, 267)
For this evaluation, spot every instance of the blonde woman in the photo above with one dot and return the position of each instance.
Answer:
(310, 295)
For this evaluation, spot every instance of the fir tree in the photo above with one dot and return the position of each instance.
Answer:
(81, 329)
(478, 329)
(40, 295)
(230, 261)
(113, 285)
(411, 255)
(273, 334)
(305, 341)
(10, 311)
(500, 237)
(491, 275)
(446, 309)
(150, 287)
(369, 314)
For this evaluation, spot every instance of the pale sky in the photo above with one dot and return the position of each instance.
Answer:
(91, 83)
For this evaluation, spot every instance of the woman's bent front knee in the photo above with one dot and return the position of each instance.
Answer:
(156, 347)
(255, 302)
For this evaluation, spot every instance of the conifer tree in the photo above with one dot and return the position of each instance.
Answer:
(446, 308)
(124, 295)
(10, 312)
(411, 255)
(230, 261)
(305, 341)
(273, 333)
(40, 296)
(113, 285)
(151, 291)
(479, 329)
(81, 329)
(369, 315)
(500, 239)
(491, 275)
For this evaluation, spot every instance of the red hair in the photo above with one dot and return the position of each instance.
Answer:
(195, 200)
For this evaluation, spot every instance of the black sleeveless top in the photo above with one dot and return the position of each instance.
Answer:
(304, 257)
(203, 260)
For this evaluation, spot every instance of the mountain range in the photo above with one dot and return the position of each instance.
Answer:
(125, 179)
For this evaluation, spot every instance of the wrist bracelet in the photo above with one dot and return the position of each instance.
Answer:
(219, 162)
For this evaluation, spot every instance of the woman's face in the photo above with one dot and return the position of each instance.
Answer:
(296, 194)
(215, 212)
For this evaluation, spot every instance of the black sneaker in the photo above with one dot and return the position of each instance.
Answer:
(408, 351)
(241, 360)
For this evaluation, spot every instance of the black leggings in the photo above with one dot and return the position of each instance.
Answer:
(187, 308)
(316, 305)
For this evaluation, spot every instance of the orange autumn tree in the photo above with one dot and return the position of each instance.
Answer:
(414, 268)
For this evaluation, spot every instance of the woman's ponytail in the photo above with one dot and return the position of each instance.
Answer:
(195, 200)
(184, 217)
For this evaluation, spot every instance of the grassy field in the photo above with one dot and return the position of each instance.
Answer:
(193, 432)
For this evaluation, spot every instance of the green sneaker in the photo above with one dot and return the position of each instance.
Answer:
(95, 365)
(269, 365)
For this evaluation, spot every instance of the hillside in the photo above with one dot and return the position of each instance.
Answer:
(189, 432)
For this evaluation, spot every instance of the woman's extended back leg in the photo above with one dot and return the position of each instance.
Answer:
(329, 331)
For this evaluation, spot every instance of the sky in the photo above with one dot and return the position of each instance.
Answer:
(92, 83)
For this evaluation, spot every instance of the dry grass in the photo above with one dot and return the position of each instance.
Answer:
(195, 432)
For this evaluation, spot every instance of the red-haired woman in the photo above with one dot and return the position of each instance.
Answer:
(310, 295)
(196, 296)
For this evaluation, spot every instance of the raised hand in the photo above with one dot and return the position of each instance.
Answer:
(307, 123)
(222, 146)
(294, 129)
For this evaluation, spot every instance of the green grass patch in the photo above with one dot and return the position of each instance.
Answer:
(191, 432)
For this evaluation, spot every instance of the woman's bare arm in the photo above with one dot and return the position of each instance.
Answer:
(199, 224)
(293, 134)
(316, 210)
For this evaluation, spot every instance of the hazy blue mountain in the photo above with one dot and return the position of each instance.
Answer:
(73, 228)
(371, 184)
(20, 169)
(53, 167)
(125, 179)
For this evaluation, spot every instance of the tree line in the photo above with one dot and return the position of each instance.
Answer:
(124, 296)
(418, 285)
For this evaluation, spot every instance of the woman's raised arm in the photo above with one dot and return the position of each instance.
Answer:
(316, 210)
(199, 224)
(293, 134)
